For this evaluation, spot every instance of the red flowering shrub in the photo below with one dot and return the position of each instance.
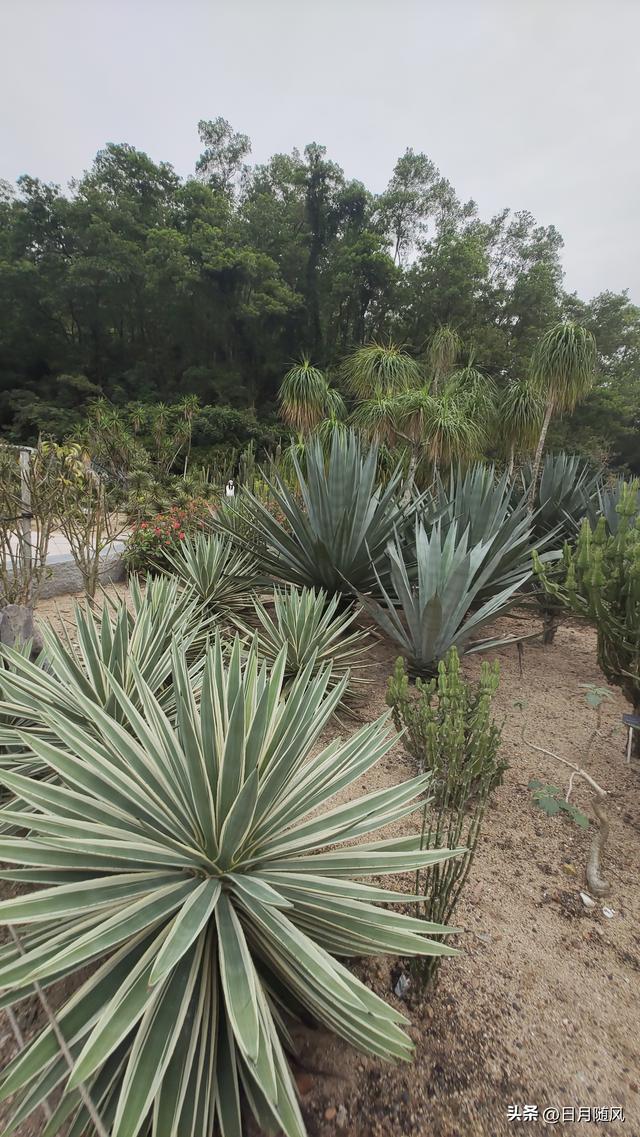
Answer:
(150, 540)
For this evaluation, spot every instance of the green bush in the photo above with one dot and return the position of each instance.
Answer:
(451, 733)
(149, 541)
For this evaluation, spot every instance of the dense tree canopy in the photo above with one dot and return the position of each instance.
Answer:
(138, 285)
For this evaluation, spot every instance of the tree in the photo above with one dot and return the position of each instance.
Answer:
(304, 397)
(520, 415)
(562, 368)
(221, 163)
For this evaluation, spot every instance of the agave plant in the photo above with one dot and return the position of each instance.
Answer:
(215, 895)
(481, 504)
(567, 492)
(338, 525)
(428, 617)
(116, 644)
(213, 569)
(310, 628)
(607, 503)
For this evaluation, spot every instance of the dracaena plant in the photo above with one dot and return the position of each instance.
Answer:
(309, 625)
(216, 895)
(336, 525)
(212, 568)
(429, 606)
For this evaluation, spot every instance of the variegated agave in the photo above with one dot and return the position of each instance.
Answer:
(337, 525)
(433, 613)
(212, 568)
(194, 865)
(309, 626)
(116, 644)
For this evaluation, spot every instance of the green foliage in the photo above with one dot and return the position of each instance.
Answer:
(481, 504)
(566, 493)
(448, 727)
(212, 568)
(310, 627)
(336, 524)
(563, 364)
(437, 612)
(214, 898)
(449, 730)
(551, 800)
(304, 397)
(379, 370)
(600, 580)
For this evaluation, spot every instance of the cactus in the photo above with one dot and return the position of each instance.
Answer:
(449, 730)
(600, 581)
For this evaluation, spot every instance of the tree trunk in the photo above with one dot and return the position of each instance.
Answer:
(411, 476)
(512, 460)
(537, 462)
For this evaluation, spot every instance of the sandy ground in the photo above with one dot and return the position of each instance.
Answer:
(542, 1008)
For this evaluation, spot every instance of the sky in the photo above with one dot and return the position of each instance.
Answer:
(531, 104)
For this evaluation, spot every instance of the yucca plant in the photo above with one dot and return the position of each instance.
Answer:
(336, 526)
(310, 627)
(114, 644)
(566, 493)
(213, 898)
(215, 570)
(429, 607)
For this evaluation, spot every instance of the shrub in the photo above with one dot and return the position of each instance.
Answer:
(150, 541)
(214, 896)
(310, 628)
(600, 580)
(447, 725)
(450, 732)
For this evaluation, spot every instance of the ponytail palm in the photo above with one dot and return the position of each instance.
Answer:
(215, 893)
(563, 368)
(303, 397)
(380, 370)
(444, 347)
(521, 413)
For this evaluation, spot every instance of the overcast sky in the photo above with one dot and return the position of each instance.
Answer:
(532, 104)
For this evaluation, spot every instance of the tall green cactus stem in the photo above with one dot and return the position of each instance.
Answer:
(449, 730)
(600, 580)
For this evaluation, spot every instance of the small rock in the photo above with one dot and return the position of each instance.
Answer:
(341, 1117)
(331, 1113)
(608, 912)
(569, 869)
(402, 986)
(484, 936)
(587, 900)
(304, 1082)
